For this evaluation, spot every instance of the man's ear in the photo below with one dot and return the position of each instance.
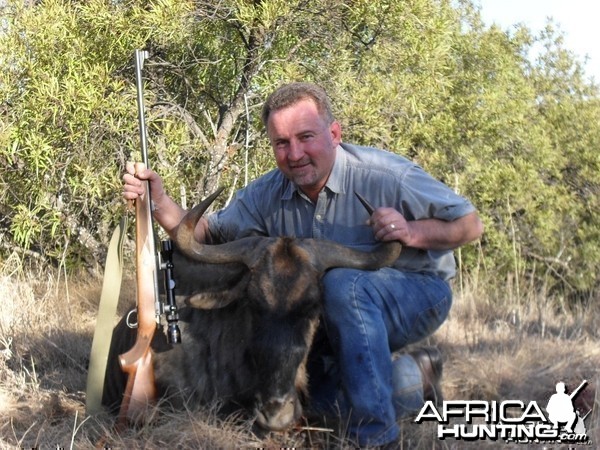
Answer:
(336, 132)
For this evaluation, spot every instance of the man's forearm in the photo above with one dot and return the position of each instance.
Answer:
(435, 234)
(169, 215)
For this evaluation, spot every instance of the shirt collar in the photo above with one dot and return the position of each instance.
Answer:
(337, 178)
(335, 182)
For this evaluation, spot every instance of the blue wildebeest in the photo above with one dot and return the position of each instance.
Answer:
(252, 308)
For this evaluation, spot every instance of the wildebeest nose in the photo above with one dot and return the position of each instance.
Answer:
(279, 414)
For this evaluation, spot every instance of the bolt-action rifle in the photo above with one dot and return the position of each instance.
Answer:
(140, 390)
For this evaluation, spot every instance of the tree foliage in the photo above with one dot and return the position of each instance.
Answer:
(423, 78)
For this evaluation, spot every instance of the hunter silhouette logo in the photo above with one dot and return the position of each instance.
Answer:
(561, 410)
(511, 420)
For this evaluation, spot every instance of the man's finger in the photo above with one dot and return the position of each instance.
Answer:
(139, 167)
(130, 167)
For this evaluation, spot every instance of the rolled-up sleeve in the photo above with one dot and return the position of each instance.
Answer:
(424, 197)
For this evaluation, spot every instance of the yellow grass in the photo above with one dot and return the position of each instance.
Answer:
(497, 346)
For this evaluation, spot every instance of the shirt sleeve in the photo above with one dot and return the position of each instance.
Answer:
(238, 219)
(424, 197)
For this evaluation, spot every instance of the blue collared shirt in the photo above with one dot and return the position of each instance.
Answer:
(272, 205)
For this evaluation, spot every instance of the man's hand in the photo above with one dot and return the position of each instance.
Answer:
(133, 187)
(166, 212)
(429, 234)
(389, 225)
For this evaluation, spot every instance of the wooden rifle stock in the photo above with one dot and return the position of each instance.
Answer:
(140, 390)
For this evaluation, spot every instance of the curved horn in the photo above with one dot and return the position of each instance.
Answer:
(329, 254)
(231, 252)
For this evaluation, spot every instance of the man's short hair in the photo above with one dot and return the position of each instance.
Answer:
(292, 93)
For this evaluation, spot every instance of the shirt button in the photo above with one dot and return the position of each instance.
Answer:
(319, 217)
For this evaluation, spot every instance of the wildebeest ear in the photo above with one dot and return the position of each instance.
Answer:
(219, 298)
(210, 300)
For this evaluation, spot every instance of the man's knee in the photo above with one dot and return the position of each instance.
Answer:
(340, 285)
(342, 291)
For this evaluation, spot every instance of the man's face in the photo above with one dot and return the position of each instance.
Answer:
(304, 145)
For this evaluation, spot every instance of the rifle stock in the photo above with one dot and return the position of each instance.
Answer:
(140, 390)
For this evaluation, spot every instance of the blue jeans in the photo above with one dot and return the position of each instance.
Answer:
(369, 315)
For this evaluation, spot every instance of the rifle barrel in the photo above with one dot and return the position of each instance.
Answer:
(140, 57)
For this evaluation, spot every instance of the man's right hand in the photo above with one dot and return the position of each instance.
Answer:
(166, 212)
(132, 182)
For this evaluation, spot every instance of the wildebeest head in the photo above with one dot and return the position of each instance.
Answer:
(282, 292)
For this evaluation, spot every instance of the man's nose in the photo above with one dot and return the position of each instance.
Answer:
(295, 153)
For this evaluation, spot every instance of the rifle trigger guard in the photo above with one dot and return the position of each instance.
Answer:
(128, 320)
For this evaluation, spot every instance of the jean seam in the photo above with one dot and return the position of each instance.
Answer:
(443, 305)
(365, 338)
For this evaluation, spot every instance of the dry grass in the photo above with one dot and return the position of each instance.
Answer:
(497, 346)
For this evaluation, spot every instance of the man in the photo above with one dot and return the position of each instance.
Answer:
(367, 315)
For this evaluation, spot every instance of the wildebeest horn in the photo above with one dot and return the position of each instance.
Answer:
(323, 254)
(370, 209)
(329, 254)
(231, 252)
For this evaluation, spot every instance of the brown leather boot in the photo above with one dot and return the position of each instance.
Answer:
(429, 360)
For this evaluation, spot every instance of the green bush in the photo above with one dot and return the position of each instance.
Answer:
(420, 77)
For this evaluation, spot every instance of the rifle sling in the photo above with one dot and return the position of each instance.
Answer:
(107, 308)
